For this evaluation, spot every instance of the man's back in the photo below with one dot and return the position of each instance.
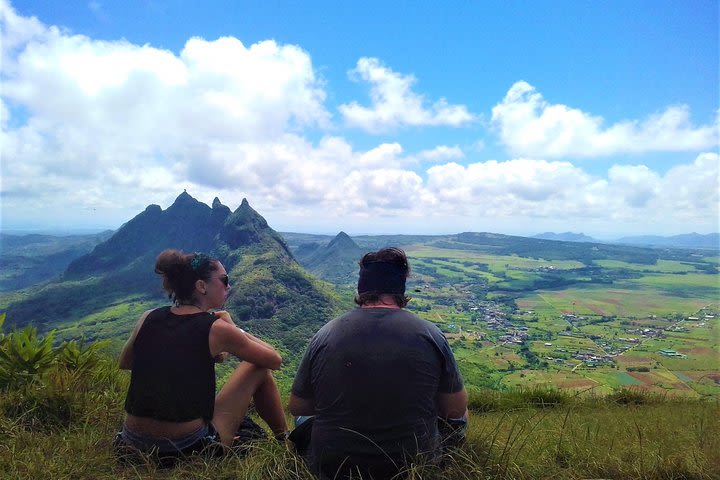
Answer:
(374, 375)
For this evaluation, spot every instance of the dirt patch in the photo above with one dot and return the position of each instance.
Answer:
(700, 351)
(680, 386)
(644, 378)
(697, 376)
(578, 383)
(631, 359)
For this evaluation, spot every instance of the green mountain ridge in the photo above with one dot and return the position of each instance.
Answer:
(271, 295)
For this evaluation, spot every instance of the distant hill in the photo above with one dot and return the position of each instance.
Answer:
(565, 237)
(32, 259)
(688, 240)
(336, 262)
(271, 295)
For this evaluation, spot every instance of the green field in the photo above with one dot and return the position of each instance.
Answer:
(662, 266)
(622, 313)
(497, 263)
(597, 300)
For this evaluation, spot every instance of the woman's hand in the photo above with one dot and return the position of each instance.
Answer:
(221, 357)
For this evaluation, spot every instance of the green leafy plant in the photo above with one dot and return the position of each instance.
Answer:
(24, 356)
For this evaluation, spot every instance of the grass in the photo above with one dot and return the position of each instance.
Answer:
(518, 434)
(59, 422)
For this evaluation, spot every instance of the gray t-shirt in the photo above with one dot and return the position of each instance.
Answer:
(374, 374)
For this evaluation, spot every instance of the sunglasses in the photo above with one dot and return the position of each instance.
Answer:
(225, 279)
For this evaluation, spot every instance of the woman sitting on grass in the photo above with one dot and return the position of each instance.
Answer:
(171, 405)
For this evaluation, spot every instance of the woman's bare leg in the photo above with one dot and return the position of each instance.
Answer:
(231, 404)
(269, 406)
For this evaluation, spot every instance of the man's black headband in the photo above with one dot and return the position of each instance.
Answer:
(382, 277)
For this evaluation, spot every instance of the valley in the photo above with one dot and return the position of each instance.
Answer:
(590, 326)
(518, 312)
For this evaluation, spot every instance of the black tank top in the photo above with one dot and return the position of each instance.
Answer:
(173, 372)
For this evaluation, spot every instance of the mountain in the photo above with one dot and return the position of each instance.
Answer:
(565, 237)
(336, 262)
(689, 240)
(271, 294)
(187, 222)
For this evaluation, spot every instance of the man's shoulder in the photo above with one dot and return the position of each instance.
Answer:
(412, 318)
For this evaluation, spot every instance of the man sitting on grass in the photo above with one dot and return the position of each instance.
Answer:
(377, 381)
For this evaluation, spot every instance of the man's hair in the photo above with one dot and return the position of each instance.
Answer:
(398, 261)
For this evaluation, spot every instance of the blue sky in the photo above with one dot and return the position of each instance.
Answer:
(368, 117)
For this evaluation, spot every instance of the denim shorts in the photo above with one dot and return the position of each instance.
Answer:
(132, 446)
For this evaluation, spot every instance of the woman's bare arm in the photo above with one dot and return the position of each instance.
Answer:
(225, 316)
(226, 337)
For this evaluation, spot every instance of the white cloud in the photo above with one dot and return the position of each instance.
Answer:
(440, 153)
(394, 104)
(128, 117)
(522, 187)
(529, 125)
(93, 131)
(635, 196)
(691, 192)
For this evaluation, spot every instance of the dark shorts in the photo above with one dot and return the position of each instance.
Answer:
(132, 447)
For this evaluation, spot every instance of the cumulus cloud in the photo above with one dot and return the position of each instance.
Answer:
(93, 131)
(559, 190)
(86, 112)
(529, 125)
(394, 103)
(441, 153)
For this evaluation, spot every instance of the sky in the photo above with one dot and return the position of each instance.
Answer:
(368, 117)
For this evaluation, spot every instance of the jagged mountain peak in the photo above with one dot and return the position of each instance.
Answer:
(245, 227)
(343, 241)
(183, 199)
(187, 224)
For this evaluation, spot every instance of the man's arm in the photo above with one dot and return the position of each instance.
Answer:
(301, 406)
(452, 405)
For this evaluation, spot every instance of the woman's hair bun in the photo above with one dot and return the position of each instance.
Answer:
(171, 261)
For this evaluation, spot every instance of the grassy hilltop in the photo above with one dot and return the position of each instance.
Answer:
(60, 407)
